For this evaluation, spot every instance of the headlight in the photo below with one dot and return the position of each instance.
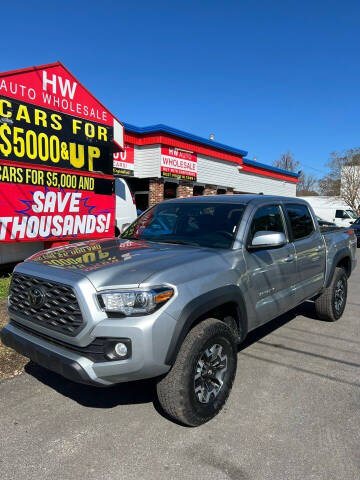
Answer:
(135, 302)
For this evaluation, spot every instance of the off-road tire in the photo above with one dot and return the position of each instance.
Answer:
(176, 391)
(325, 304)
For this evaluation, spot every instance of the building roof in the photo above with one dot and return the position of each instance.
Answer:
(160, 128)
(247, 161)
(180, 133)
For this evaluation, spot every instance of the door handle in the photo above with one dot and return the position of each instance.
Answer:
(289, 259)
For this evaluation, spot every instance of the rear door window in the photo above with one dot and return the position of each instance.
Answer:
(300, 219)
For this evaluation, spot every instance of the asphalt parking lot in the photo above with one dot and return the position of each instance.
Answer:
(294, 413)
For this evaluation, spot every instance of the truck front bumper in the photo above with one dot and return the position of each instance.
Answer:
(54, 361)
(74, 366)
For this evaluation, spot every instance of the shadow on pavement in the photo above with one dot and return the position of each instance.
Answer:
(96, 397)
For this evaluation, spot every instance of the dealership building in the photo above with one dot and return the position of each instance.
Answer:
(160, 162)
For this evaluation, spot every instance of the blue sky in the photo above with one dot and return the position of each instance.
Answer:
(263, 76)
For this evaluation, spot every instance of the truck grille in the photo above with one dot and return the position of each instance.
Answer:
(49, 304)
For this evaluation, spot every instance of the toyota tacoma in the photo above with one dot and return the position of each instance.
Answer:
(175, 295)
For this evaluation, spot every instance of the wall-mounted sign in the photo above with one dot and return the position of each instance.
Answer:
(124, 161)
(41, 136)
(177, 163)
(56, 157)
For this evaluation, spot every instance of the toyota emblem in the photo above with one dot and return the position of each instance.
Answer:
(36, 297)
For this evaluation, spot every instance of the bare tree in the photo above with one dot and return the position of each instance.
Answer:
(307, 184)
(287, 162)
(344, 177)
(350, 186)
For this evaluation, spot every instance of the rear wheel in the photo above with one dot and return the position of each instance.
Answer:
(199, 383)
(331, 304)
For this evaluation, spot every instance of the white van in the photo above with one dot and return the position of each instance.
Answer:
(125, 206)
(332, 209)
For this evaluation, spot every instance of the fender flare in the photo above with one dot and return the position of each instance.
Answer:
(200, 306)
(340, 255)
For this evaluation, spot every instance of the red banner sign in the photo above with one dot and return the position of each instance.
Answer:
(178, 163)
(54, 87)
(56, 158)
(29, 213)
(124, 161)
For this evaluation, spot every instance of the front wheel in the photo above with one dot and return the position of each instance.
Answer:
(331, 304)
(199, 383)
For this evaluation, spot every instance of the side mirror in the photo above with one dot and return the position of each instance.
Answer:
(264, 239)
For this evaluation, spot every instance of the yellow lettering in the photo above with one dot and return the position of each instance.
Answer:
(54, 149)
(19, 142)
(40, 117)
(5, 144)
(89, 130)
(5, 112)
(56, 119)
(77, 155)
(31, 144)
(94, 152)
(43, 146)
(23, 114)
(76, 126)
(102, 134)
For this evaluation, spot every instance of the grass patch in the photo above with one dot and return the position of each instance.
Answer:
(11, 362)
(4, 285)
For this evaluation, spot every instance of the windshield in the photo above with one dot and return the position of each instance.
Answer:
(202, 224)
(351, 214)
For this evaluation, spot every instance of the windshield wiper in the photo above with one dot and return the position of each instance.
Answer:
(181, 242)
(160, 240)
(176, 242)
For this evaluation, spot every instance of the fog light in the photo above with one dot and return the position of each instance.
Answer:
(121, 349)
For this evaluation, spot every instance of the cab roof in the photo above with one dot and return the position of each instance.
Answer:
(243, 199)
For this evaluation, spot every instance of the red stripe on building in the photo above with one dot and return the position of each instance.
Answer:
(268, 173)
(173, 141)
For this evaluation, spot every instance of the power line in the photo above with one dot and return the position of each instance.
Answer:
(312, 168)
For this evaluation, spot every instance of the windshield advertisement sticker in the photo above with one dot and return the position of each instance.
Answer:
(176, 163)
(90, 256)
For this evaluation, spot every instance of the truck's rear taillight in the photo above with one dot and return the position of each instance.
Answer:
(351, 232)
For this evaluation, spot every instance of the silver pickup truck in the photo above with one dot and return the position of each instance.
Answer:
(176, 293)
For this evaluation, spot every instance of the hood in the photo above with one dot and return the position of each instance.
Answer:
(114, 262)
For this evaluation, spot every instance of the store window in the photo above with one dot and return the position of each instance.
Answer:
(170, 189)
(198, 190)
